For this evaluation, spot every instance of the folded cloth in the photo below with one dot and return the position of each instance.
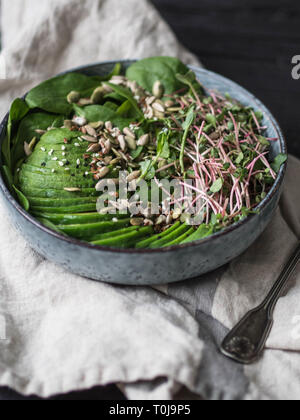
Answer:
(60, 332)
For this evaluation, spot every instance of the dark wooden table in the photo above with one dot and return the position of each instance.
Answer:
(249, 41)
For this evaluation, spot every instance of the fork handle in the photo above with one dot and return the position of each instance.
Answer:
(246, 341)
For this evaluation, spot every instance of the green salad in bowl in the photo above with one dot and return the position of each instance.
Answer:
(145, 159)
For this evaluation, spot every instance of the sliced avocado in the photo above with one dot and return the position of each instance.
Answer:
(55, 193)
(91, 229)
(62, 210)
(60, 202)
(146, 242)
(80, 218)
(126, 240)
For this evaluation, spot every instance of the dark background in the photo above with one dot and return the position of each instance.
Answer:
(249, 41)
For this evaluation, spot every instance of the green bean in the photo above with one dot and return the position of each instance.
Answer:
(61, 210)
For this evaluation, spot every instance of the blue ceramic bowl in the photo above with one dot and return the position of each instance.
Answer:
(162, 266)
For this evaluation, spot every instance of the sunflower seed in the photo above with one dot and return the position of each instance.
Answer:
(144, 140)
(108, 125)
(177, 213)
(90, 131)
(157, 106)
(130, 142)
(134, 175)
(40, 132)
(115, 161)
(27, 149)
(94, 148)
(90, 139)
(128, 132)
(84, 102)
(80, 121)
(121, 140)
(103, 172)
(107, 89)
(136, 221)
(160, 220)
(169, 219)
(169, 104)
(97, 125)
(72, 189)
(158, 89)
(148, 222)
(150, 100)
(73, 97)
(107, 147)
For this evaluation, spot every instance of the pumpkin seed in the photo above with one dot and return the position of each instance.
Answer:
(73, 97)
(136, 221)
(144, 140)
(158, 89)
(97, 95)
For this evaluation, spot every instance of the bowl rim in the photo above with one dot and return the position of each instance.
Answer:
(261, 206)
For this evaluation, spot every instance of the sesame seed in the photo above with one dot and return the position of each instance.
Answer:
(78, 161)
(63, 153)
(63, 147)
(51, 152)
(86, 173)
(43, 149)
(77, 145)
(61, 163)
(53, 170)
(115, 220)
(55, 159)
(67, 169)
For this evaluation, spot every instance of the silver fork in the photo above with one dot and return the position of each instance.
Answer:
(245, 342)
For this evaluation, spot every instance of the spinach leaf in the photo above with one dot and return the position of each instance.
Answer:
(26, 131)
(94, 113)
(22, 199)
(279, 160)
(18, 111)
(126, 93)
(51, 96)
(146, 72)
(189, 79)
(148, 170)
(128, 111)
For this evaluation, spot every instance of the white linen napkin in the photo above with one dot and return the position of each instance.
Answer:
(60, 332)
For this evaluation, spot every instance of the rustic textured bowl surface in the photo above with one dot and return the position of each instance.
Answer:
(145, 267)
